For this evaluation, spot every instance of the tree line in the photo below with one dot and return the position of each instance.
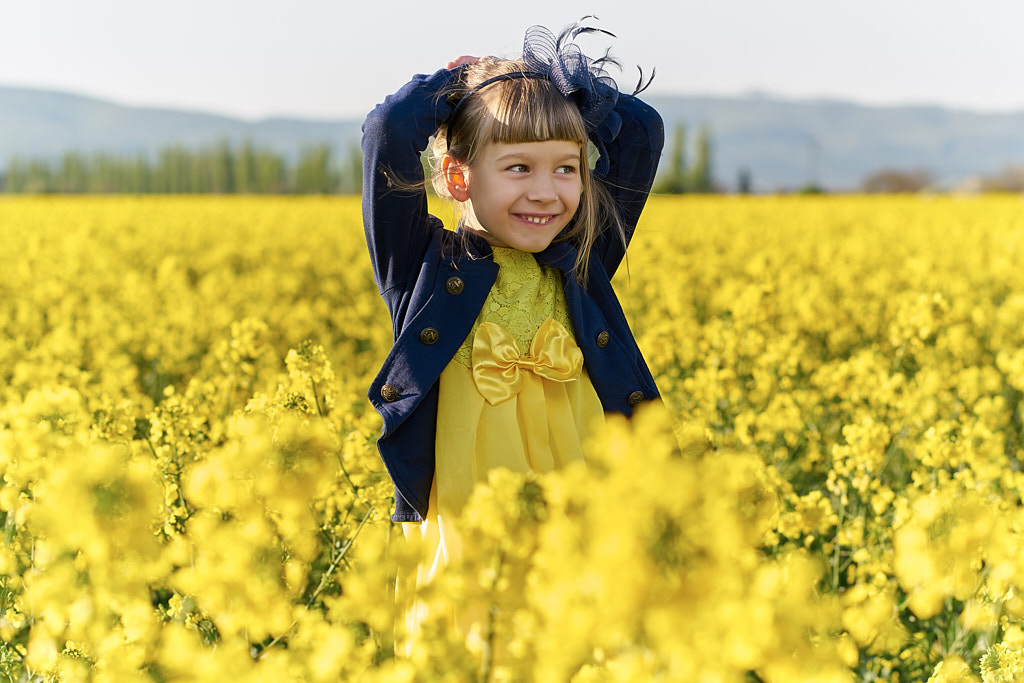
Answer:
(1010, 178)
(246, 169)
(679, 175)
(217, 169)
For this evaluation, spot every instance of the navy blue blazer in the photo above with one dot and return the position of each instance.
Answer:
(435, 281)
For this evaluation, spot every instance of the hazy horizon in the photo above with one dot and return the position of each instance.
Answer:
(356, 118)
(316, 59)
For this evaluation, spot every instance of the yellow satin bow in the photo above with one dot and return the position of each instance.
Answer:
(498, 364)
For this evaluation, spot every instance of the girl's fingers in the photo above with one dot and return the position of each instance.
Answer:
(464, 59)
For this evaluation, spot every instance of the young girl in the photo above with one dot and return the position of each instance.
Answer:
(509, 340)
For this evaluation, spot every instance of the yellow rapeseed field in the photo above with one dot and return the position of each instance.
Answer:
(190, 490)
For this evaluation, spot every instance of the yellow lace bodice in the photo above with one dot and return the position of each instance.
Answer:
(523, 297)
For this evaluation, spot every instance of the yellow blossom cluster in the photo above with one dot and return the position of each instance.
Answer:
(190, 490)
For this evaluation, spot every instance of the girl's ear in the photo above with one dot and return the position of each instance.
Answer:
(455, 178)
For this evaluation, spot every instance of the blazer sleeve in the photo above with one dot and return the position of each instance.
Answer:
(633, 154)
(395, 219)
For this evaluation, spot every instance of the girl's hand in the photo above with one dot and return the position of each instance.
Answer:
(460, 61)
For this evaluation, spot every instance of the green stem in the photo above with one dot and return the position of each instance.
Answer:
(337, 559)
(835, 553)
(276, 640)
(227, 396)
(487, 667)
(316, 398)
(344, 472)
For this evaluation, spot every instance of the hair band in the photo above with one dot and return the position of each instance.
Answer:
(494, 79)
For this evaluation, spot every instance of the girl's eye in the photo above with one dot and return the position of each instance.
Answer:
(518, 168)
(567, 169)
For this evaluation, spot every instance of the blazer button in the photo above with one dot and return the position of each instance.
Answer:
(389, 393)
(635, 398)
(428, 335)
(455, 285)
(602, 339)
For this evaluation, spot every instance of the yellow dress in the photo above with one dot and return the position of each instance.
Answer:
(515, 395)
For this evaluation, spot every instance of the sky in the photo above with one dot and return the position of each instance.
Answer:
(331, 59)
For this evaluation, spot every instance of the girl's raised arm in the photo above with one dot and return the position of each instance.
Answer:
(633, 157)
(395, 219)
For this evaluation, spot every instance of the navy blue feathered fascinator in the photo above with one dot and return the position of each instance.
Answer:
(583, 80)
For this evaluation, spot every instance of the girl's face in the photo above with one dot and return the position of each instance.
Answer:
(520, 195)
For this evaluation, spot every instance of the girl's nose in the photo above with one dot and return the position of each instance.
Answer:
(542, 189)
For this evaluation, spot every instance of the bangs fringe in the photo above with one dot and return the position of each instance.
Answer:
(529, 110)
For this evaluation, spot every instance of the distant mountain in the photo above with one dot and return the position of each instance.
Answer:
(45, 124)
(786, 144)
(783, 144)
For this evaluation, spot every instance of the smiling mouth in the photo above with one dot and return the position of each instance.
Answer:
(536, 220)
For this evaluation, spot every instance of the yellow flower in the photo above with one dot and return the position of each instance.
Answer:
(190, 487)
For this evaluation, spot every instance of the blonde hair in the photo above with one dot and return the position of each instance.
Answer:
(519, 110)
